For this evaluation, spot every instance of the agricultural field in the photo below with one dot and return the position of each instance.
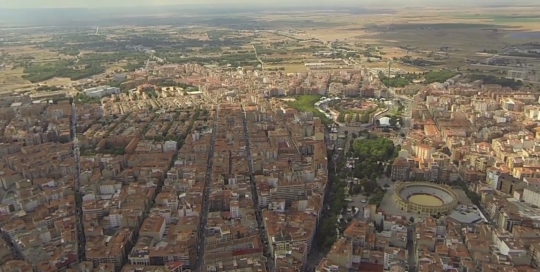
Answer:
(14, 58)
(384, 64)
(11, 79)
(288, 68)
(435, 38)
(29, 52)
(414, 39)
(57, 81)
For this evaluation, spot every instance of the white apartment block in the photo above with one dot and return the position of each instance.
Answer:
(531, 196)
(101, 91)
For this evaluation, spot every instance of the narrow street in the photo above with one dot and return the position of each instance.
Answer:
(201, 244)
(270, 265)
(411, 247)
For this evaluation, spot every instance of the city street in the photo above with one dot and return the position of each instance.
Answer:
(411, 247)
(314, 258)
(358, 202)
(270, 265)
(205, 209)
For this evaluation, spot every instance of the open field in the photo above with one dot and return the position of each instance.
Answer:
(12, 79)
(57, 81)
(416, 39)
(38, 55)
(333, 34)
(407, 68)
(117, 67)
(428, 31)
(289, 68)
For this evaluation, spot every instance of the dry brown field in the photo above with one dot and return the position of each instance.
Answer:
(57, 81)
(425, 30)
(465, 33)
(40, 55)
(12, 79)
(289, 68)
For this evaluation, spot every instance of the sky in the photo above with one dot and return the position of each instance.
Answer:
(126, 3)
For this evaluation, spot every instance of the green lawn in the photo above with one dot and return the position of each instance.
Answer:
(306, 103)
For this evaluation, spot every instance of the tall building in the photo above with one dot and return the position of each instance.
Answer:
(401, 169)
(235, 209)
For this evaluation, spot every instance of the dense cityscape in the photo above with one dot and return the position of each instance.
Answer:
(264, 151)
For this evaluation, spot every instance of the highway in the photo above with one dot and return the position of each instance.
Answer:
(257, 56)
(201, 241)
(270, 265)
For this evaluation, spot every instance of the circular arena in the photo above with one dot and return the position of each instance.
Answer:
(425, 197)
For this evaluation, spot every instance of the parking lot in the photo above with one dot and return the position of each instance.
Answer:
(359, 202)
(462, 196)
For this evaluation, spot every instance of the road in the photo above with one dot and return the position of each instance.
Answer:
(201, 244)
(328, 44)
(359, 202)
(257, 56)
(409, 103)
(411, 247)
(270, 265)
(402, 97)
(317, 254)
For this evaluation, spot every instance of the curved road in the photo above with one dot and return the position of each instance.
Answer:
(257, 56)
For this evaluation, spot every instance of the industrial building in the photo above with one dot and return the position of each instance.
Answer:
(101, 91)
(524, 74)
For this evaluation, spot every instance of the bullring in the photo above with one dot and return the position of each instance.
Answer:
(425, 197)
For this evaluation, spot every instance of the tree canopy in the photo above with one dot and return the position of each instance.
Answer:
(438, 76)
(397, 81)
(505, 82)
(372, 153)
(82, 98)
(41, 72)
(373, 148)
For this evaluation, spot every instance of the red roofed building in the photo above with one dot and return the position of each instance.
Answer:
(174, 266)
(368, 267)
(249, 251)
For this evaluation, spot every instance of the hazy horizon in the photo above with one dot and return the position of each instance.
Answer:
(32, 4)
(94, 12)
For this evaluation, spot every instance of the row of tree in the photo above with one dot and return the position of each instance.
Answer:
(351, 117)
(505, 82)
(41, 72)
(406, 79)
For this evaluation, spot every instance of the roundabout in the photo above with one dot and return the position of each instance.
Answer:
(425, 197)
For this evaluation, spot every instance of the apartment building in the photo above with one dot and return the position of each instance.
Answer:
(401, 169)
(531, 195)
(153, 227)
(104, 249)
